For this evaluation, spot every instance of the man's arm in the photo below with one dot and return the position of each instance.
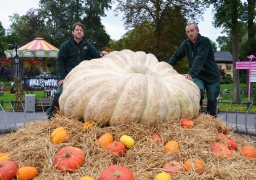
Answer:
(62, 58)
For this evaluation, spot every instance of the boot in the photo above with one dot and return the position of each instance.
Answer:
(212, 107)
(54, 106)
(201, 97)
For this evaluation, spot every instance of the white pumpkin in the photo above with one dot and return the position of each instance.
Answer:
(124, 87)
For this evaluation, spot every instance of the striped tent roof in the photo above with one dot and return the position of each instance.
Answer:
(39, 44)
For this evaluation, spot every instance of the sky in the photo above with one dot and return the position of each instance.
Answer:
(113, 25)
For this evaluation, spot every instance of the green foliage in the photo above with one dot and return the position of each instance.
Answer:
(158, 24)
(54, 19)
(95, 31)
(60, 15)
(214, 46)
(161, 40)
(140, 11)
(182, 66)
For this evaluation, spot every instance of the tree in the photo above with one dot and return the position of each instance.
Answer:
(214, 46)
(2, 40)
(137, 12)
(27, 27)
(60, 15)
(227, 13)
(94, 31)
(251, 41)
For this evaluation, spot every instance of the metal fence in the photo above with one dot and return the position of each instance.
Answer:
(16, 116)
(243, 123)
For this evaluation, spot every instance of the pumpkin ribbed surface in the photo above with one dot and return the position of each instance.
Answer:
(125, 87)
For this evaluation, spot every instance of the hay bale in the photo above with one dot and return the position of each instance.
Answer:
(31, 146)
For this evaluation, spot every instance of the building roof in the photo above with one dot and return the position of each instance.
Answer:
(224, 56)
(38, 44)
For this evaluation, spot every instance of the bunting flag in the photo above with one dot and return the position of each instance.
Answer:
(38, 44)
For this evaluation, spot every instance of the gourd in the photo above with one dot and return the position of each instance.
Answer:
(173, 167)
(221, 150)
(116, 147)
(194, 164)
(127, 140)
(115, 172)
(4, 156)
(8, 170)
(231, 143)
(59, 135)
(87, 125)
(27, 173)
(248, 151)
(156, 138)
(126, 87)
(86, 178)
(163, 176)
(171, 147)
(187, 123)
(105, 139)
(69, 159)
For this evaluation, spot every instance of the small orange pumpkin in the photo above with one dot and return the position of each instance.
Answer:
(87, 125)
(27, 173)
(172, 147)
(221, 150)
(156, 139)
(231, 143)
(59, 135)
(105, 139)
(4, 156)
(173, 167)
(187, 123)
(194, 164)
(56, 131)
(248, 151)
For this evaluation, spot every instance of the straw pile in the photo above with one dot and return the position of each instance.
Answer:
(31, 146)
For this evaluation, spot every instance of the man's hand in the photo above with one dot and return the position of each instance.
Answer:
(103, 53)
(187, 76)
(60, 82)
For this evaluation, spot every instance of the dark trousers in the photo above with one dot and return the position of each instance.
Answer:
(55, 103)
(54, 106)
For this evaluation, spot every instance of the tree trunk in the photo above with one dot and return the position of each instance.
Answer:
(251, 6)
(236, 95)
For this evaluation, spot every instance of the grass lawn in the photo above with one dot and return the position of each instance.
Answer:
(8, 97)
(228, 98)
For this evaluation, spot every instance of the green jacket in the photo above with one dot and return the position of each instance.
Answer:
(200, 59)
(71, 54)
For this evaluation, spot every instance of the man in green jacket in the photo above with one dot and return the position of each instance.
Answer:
(71, 53)
(204, 70)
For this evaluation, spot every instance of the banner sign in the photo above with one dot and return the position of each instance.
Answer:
(253, 76)
(246, 65)
(251, 66)
(40, 83)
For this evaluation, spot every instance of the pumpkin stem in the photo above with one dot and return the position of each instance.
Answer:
(117, 174)
(67, 155)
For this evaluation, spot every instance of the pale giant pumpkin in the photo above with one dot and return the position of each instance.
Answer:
(124, 87)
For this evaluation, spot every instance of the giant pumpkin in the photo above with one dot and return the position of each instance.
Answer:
(124, 87)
